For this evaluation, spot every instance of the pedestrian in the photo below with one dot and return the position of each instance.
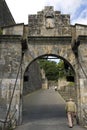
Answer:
(70, 111)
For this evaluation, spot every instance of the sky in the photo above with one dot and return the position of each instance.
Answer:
(20, 9)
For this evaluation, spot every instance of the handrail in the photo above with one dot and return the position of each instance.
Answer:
(81, 65)
(85, 116)
(8, 111)
(9, 121)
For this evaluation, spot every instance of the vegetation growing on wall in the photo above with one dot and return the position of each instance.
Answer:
(71, 84)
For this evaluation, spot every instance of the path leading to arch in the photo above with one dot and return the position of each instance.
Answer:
(45, 110)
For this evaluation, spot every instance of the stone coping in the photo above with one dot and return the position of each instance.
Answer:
(82, 38)
(10, 38)
(50, 38)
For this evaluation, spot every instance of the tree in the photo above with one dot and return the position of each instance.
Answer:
(54, 70)
(50, 68)
(61, 69)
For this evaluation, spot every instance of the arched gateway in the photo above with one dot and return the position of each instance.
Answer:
(48, 32)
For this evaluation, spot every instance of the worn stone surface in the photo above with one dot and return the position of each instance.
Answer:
(16, 29)
(10, 56)
(32, 78)
(49, 23)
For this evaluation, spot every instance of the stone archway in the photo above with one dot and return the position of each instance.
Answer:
(35, 63)
(48, 32)
(31, 61)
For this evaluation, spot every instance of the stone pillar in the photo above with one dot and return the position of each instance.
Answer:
(44, 80)
(82, 62)
(44, 83)
(10, 76)
(83, 99)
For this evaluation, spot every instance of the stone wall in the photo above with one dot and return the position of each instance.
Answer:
(17, 29)
(62, 83)
(49, 23)
(81, 30)
(82, 73)
(77, 30)
(32, 78)
(10, 57)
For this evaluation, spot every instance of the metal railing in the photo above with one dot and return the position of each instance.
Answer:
(81, 64)
(85, 117)
(10, 123)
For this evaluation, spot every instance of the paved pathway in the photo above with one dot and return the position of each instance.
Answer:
(44, 110)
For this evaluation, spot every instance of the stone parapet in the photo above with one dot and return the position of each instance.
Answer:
(49, 23)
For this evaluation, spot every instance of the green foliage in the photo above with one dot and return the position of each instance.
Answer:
(55, 70)
(0, 31)
(61, 65)
(61, 69)
(71, 84)
(51, 69)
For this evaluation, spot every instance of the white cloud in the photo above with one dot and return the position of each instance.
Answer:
(22, 8)
(84, 14)
(82, 18)
(80, 21)
(68, 6)
(72, 7)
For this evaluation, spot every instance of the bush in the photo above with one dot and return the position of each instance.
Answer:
(0, 31)
(71, 84)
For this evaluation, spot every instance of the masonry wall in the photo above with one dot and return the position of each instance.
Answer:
(49, 23)
(11, 77)
(10, 57)
(77, 30)
(17, 29)
(82, 73)
(32, 78)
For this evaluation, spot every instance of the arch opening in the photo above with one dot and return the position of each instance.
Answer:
(36, 79)
(30, 72)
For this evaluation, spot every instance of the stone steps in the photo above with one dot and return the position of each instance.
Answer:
(67, 95)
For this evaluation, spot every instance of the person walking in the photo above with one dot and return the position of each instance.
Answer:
(71, 111)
